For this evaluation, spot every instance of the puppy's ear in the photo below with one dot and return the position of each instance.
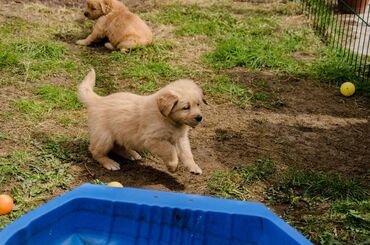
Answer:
(166, 102)
(106, 6)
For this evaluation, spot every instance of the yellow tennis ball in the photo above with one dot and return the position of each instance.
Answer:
(115, 184)
(347, 89)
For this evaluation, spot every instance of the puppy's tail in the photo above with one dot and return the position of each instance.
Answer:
(85, 90)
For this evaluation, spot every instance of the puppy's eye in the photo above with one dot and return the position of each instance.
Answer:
(93, 8)
(186, 108)
(198, 104)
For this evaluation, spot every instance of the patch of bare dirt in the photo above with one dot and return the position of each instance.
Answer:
(313, 128)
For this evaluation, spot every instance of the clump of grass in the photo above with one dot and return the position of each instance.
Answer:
(234, 183)
(194, 20)
(261, 96)
(147, 87)
(49, 98)
(262, 170)
(152, 71)
(32, 110)
(14, 25)
(327, 186)
(355, 212)
(235, 93)
(58, 97)
(344, 222)
(147, 64)
(67, 119)
(331, 67)
(34, 59)
(255, 52)
(64, 148)
(158, 51)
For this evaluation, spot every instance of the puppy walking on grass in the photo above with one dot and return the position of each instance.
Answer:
(126, 123)
(124, 29)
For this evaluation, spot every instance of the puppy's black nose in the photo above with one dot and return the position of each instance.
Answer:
(199, 118)
(86, 14)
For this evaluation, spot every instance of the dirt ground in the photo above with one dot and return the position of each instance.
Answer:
(311, 127)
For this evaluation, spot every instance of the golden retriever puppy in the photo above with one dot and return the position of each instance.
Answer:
(159, 123)
(123, 29)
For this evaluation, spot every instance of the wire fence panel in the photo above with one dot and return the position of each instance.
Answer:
(344, 25)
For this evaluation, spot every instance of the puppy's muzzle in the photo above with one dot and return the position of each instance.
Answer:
(199, 118)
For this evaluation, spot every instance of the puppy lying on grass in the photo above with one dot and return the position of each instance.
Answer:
(159, 123)
(124, 29)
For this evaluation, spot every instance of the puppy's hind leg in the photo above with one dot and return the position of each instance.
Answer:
(109, 46)
(125, 45)
(127, 154)
(99, 148)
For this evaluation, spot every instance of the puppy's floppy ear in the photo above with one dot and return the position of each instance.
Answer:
(106, 6)
(166, 102)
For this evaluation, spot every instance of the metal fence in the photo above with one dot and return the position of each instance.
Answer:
(344, 24)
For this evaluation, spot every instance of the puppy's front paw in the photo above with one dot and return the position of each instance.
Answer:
(195, 169)
(82, 42)
(111, 165)
(109, 46)
(172, 167)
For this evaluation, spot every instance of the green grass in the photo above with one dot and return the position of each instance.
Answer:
(355, 215)
(149, 64)
(140, 65)
(14, 26)
(152, 71)
(32, 110)
(31, 177)
(332, 68)
(234, 183)
(147, 87)
(343, 222)
(47, 99)
(327, 186)
(260, 50)
(194, 20)
(224, 86)
(57, 97)
(64, 148)
(220, 86)
(34, 59)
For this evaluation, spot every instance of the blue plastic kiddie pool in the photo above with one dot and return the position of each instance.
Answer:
(97, 214)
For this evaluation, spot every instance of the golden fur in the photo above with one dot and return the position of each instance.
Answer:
(123, 28)
(159, 123)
